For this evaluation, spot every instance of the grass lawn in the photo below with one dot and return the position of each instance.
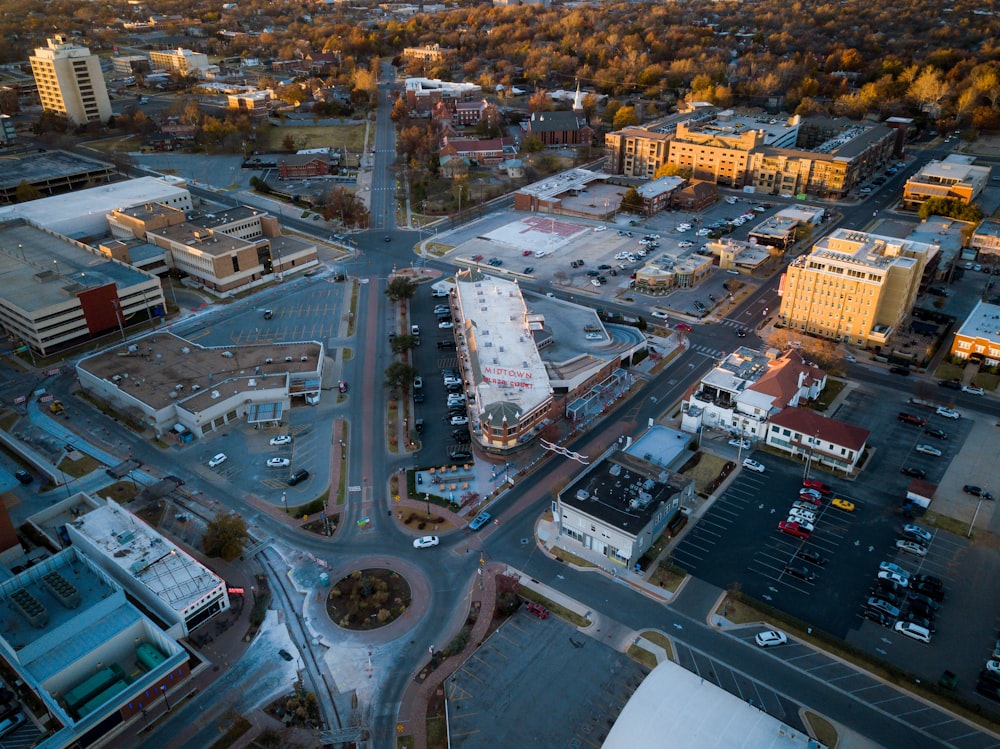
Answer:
(832, 390)
(707, 470)
(947, 370)
(986, 381)
(119, 143)
(80, 467)
(339, 136)
(822, 729)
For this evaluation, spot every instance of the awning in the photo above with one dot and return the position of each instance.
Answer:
(260, 413)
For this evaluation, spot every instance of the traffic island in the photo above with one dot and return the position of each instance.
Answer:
(368, 599)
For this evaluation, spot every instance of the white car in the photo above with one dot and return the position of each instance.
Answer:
(683, 227)
(850, 359)
(805, 525)
(701, 233)
(446, 325)
(948, 413)
(731, 200)
(911, 547)
(811, 493)
(973, 390)
(594, 337)
(993, 666)
(802, 516)
(659, 315)
(895, 569)
(594, 282)
(770, 638)
(217, 460)
(808, 506)
(901, 580)
(736, 442)
(278, 462)
(418, 382)
(281, 439)
(425, 542)
(753, 465)
(457, 421)
(928, 450)
(684, 245)
(600, 228)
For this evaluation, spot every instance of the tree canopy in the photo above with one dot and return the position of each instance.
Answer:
(225, 536)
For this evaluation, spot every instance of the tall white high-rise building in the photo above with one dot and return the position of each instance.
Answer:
(69, 81)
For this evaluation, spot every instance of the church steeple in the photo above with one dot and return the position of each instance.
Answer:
(578, 100)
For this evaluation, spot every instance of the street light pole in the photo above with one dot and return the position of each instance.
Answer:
(163, 689)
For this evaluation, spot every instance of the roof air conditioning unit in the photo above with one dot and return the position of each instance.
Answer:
(215, 394)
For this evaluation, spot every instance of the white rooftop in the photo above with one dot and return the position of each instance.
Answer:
(505, 359)
(557, 184)
(982, 322)
(86, 210)
(695, 714)
(153, 561)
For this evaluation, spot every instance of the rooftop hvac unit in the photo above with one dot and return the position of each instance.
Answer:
(185, 350)
(215, 394)
(582, 494)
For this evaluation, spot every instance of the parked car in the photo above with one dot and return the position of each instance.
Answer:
(800, 572)
(802, 516)
(812, 493)
(884, 606)
(23, 476)
(843, 504)
(908, 418)
(817, 485)
(911, 547)
(917, 473)
(915, 532)
(895, 577)
(895, 569)
(902, 371)
(281, 439)
(811, 556)
(217, 460)
(952, 384)
(792, 529)
(948, 413)
(878, 616)
(938, 434)
(928, 580)
(805, 525)
(536, 609)
(973, 390)
(278, 462)
(753, 465)
(913, 631)
(770, 639)
(928, 450)
(298, 477)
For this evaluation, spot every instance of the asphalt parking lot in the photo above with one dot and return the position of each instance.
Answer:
(736, 541)
(497, 697)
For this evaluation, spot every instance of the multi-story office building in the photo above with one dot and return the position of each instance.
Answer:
(636, 151)
(69, 81)
(854, 286)
(955, 178)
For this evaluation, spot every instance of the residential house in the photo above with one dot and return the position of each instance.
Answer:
(807, 434)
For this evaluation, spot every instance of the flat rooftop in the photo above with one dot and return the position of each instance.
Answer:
(224, 218)
(203, 240)
(39, 269)
(150, 558)
(989, 227)
(35, 167)
(730, 124)
(622, 490)
(148, 211)
(861, 248)
(162, 361)
(982, 322)
(501, 345)
(557, 184)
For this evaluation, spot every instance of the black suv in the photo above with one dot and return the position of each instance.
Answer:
(446, 344)
(902, 371)
(298, 477)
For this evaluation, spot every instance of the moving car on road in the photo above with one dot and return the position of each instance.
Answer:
(479, 521)
(425, 542)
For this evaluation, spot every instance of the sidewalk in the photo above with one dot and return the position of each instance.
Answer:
(412, 716)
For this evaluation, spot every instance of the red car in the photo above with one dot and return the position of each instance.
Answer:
(792, 529)
(818, 486)
(538, 610)
(683, 326)
(527, 253)
(810, 498)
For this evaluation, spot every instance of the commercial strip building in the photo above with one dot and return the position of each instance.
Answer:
(92, 631)
(854, 286)
(56, 292)
(748, 388)
(664, 272)
(527, 363)
(621, 503)
(804, 433)
(986, 238)
(70, 82)
(955, 178)
(177, 387)
(978, 338)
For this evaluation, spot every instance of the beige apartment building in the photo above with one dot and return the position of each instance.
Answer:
(69, 81)
(854, 287)
(718, 156)
(636, 152)
(180, 59)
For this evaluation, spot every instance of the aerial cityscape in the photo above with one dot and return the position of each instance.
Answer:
(504, 374)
